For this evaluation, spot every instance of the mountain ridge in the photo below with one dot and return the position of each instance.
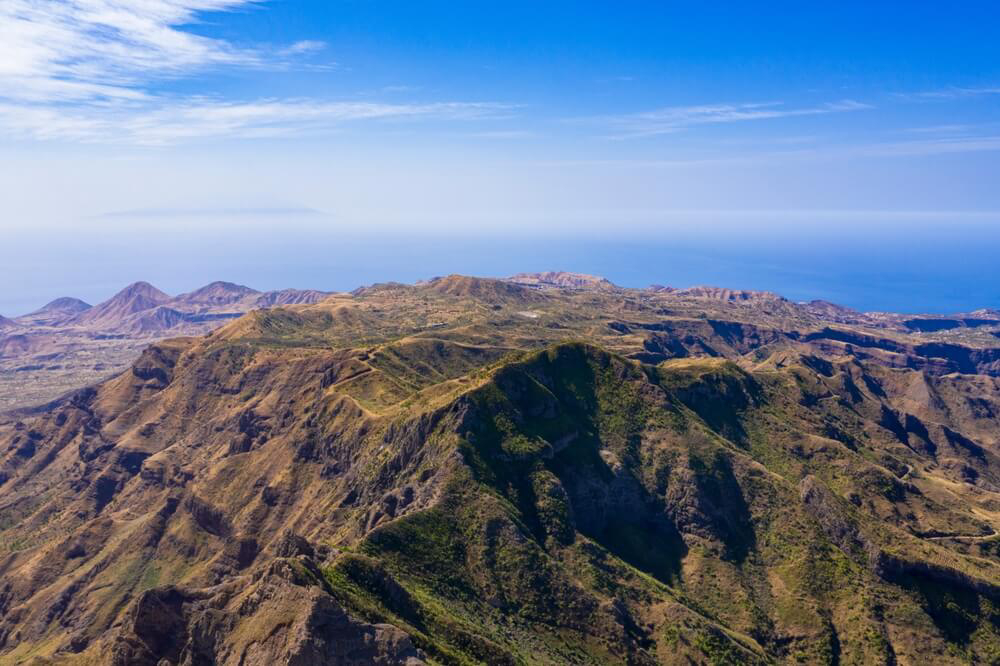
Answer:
(45, 355)
(627, 477)
(216, 293)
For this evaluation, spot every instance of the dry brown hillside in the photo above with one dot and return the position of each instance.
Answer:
(473, 471)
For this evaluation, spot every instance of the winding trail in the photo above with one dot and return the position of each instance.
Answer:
(966, 537)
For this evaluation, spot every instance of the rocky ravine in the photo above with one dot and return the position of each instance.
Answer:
(424, 475)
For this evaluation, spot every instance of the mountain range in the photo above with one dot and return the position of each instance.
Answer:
(541, 471)
(139, 308)
(48, 351)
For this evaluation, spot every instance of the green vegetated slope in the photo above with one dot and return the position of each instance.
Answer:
(612, 511)
(428, 475)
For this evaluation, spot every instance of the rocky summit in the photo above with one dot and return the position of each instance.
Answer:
(543, 470)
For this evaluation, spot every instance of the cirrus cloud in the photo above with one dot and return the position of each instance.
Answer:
(89, 50)
(668, 120)
(197, 118)
(86, 71)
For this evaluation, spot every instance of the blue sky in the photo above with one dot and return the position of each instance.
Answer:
(664, 118)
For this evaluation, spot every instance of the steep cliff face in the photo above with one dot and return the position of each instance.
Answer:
(414, 481)
(283, 613)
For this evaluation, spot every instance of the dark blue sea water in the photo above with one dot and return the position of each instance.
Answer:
(934, 270)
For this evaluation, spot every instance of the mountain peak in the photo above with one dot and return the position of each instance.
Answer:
(136, 297)
(65, 304)
(486, 289)
(226, 286)
(55, 312)
(141, 289)
(217, 293)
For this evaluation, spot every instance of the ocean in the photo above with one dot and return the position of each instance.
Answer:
(933, 271)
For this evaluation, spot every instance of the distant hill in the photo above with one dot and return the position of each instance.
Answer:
(216, 293)
(288, 297)
(562, 279)
(134, 298)
(732, 295)
(69, 342)
(379, 286)
(141, 309)
(57, 311)
(826, 307)
(832, 311)
(485, 289)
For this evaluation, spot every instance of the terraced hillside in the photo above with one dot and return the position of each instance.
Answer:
(481, 471)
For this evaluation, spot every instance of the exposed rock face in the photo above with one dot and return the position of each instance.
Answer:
(723, 294)
(282, 614)
(562, 279)
(834, 516)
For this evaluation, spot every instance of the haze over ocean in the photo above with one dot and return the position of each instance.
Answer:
(928, 268)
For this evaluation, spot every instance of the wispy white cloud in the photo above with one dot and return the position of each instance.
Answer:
(206, 118)
(936, 146)
(954, 92)
(86, 70)
(946, 129)
(304, 46)
(502, 134)
(86, 50)
(398, 89)
(677, 118)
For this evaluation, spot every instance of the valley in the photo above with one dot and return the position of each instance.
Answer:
(542, 469)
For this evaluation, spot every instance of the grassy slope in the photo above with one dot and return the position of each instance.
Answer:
(516, 560)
